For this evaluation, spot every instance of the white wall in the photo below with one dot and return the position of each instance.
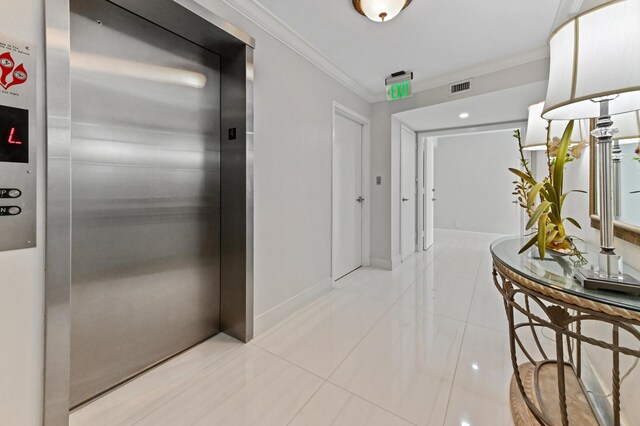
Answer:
(385, 224)
(293, 119)
(293, 108)
(396, 193)
(22, 271)
(473, 183)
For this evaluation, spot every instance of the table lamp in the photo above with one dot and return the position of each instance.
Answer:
(595, 72)
(536, 136)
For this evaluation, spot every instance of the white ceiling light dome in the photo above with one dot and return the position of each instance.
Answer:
(380, 10)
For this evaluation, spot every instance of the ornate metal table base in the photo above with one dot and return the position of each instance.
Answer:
(541, 387)
(542, 390)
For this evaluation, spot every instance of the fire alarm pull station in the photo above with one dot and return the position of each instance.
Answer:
(17, 147)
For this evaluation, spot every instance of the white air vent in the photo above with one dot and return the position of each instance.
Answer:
(460, 87)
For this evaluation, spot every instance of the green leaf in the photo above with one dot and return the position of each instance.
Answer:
(550, 236)
(531, 199)
(542, 227)
(537, 213)
(551, 194)
(522, 175)
(563, 197)
(529, 244)
(574, 222)
(561, 159)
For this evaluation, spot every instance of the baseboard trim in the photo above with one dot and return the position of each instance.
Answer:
(387, 264)
(444, 231)
(275, 315)
(396, 262)
(377, 262)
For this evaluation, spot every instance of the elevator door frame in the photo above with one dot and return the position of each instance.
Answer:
(189, 20)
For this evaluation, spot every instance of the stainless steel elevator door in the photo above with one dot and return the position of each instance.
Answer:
(145, 149)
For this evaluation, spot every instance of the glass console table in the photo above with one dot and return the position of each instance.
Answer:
(553, 323)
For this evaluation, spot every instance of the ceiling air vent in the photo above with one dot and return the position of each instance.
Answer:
(460, 87)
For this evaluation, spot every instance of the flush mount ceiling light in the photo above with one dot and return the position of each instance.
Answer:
(464, 115)
(380, 10)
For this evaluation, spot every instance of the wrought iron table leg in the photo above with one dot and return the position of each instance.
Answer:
(561, 383)
(616, 376)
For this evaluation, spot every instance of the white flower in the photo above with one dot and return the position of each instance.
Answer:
(554, 145)
(578, 149)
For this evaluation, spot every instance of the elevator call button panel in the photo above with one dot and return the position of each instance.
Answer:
(18, 142)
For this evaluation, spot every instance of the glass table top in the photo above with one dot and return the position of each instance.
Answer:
(557, 272)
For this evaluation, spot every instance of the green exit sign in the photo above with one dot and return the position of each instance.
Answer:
(399, 90)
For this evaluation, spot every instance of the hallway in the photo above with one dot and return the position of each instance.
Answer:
(210, 212)
(425, 344)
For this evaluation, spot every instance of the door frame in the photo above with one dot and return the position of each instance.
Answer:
(346, 112)
(425, 229)
(235, 47)
(404, 127)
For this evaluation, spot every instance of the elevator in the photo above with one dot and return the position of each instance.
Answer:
(149, 190)
(145, 167)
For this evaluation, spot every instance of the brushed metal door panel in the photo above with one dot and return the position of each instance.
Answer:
(145, 131)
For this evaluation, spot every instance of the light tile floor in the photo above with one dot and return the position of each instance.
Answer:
(425, 344)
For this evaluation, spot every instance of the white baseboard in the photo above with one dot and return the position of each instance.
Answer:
(377, 262)
(273, 316)
(387, 264)
(444, 232)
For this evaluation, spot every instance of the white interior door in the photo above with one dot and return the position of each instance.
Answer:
(347, 196)
(430, 190)
(408, 191)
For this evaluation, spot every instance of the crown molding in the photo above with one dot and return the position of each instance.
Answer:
(265, 19)
(474, 71)
(262, 17)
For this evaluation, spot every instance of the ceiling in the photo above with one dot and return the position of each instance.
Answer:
(495, 107)
(432, 38)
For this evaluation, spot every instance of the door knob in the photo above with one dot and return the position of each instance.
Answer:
(433, 199)
(360, 199)
(405, 199)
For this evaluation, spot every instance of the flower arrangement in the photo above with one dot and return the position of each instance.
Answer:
(543, 200)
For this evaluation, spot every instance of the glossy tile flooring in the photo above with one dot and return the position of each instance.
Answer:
(425, 344)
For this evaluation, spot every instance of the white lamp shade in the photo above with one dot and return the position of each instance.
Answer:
(628, 126)
(536, 137)
(593, 55)
(374, 8)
